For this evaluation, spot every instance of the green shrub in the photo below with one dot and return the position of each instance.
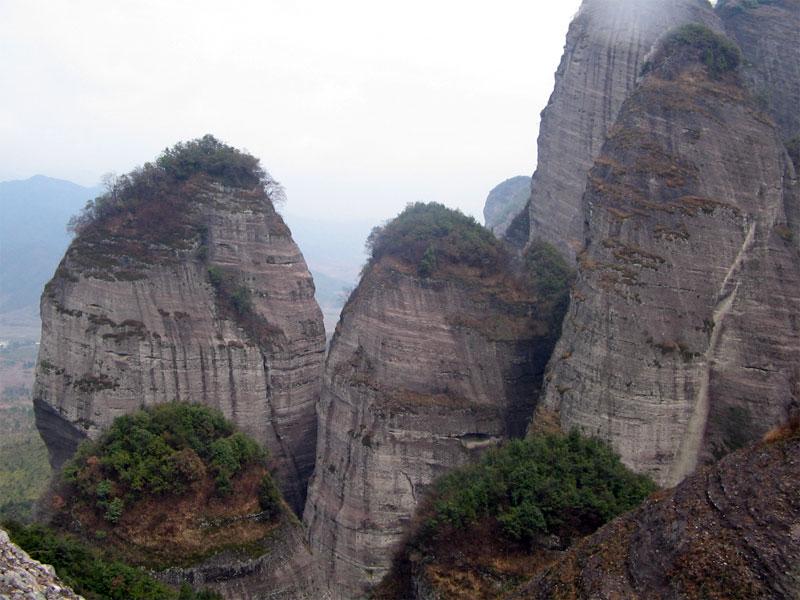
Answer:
(429, 236)
(90, 574)
(541, 485)
(160, 450)
(269, 498)
(793, 148)
(695, 42)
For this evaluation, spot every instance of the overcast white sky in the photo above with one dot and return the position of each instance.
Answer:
(357, 107)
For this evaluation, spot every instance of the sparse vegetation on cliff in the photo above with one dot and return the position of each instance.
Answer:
(522, 501)
(695, 42)
(429, 237)
(92, 575)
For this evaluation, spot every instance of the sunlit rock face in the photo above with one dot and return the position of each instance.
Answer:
(682, 341)
(606, 46)
(132, 318)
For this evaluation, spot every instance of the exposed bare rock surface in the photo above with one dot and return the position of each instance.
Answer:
(131, 318)
(769, 36)
(606, 47)
(286, 570)
(505, 202)
(731, 531)
(22, 578)
(682, 341)
(422, 374)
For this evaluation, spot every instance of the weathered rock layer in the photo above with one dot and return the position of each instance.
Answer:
(682, 341)
(130, 321)
(22, 578)
(730, 531)
(606, 46)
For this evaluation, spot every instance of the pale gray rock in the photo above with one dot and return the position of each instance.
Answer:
(421, 376)
(769, 35)
(682, 341)
(22, 578)
(120, 332)
(505, 202)
(606, 46)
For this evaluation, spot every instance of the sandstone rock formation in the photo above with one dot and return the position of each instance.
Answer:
(190, 290)
(767, 33)
(682, 341)
(422, 373)
(286, 570)
(730, 531)
(505, 202)
(22, 578)
(606, 47)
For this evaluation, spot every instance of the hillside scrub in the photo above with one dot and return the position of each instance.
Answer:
(163, 450)
(158, 181)
(89, 573)
(546, 484)
(430, 237)
(695, 43)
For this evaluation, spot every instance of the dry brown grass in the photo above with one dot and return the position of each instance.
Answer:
(787, 431)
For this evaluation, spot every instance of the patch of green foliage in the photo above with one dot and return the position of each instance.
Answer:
(269, 498)
(24, 468)
(695, 42)
(429, 236)
(90, 574)
(541, 485)
(147, 191)
(159, 450)
(550, 274)
(738, 6)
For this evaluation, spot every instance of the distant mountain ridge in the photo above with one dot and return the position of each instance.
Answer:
(33, 236)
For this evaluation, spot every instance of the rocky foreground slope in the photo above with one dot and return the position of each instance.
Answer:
(606, 46)
(22, 578)
(682, 341)
(185, 284)
(730, 531)
(439, 354)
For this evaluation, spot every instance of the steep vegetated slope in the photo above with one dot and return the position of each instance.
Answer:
(183, 283)
(682, 341)
(488, 527)
(439, 353)
(728, 532)
(177, 489)
(767, 33)
(606, 46)
(505, 202)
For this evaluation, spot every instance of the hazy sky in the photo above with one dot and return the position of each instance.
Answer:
(357, 107)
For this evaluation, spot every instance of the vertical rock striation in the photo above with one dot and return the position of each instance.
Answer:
(196, 293)
(769, 36)
(682, 341)
(606, 47)
(423, 373)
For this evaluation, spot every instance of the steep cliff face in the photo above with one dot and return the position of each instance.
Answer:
(505, 202)
(730, 531)
(682, 340)
(189, 288)
(606, 47)
(767, 33)
(431, 362)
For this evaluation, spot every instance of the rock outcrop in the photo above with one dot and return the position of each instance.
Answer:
(431, 362)
(22, 578)
(505, 202)
(682, 341)
(767, 33)
(730, 531)
(606, 46)
(184, 286)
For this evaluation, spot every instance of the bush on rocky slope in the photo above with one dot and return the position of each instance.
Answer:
(431, 236)
(695, 42)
